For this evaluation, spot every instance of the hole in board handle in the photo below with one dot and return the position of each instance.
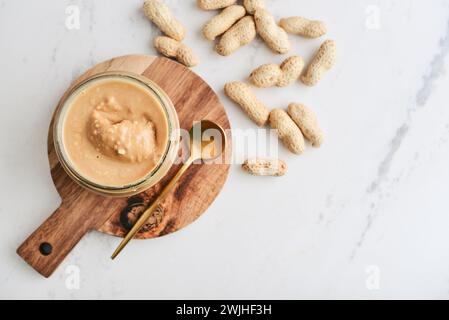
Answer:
(45, 248)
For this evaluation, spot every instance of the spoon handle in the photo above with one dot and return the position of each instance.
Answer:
(146, 214)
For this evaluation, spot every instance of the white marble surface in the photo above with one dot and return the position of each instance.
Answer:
(373, 201)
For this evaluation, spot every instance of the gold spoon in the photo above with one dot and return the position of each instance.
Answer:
(199, 150)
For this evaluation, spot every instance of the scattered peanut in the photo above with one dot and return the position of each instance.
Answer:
(304, 27)
(175, 49)
(307, 122)
(273, 35)
(162, 17)
(287, 130)
(323, 61)
(252, 5)
(265, 167)
(241, 94)
(222, 22)
(215, 4)
(242, 33)
(269, 75)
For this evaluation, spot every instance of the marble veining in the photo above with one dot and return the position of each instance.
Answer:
(435, 71)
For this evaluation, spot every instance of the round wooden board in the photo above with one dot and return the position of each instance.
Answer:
(194, 100)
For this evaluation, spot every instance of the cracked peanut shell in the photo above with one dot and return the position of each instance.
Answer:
(265, 167)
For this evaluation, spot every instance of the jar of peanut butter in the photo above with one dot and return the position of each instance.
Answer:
(116, 133)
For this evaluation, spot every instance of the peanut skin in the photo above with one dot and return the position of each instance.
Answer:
(252, 5)
(270, 75)
(215, 4)
(287, 130)
(242, 94)
(265, 167)
(242, 33)
(222, 22)
(304, 27)
(323, 61)
(273, 35)
(175, 49)
(307, 122)
(162, 17)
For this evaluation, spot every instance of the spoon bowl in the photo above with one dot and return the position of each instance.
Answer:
(207, 141)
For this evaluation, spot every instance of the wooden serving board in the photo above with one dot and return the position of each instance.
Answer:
(82, 211)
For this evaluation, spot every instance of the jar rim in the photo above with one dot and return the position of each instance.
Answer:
(164, 163)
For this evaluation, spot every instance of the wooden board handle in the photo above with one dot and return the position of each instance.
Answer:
(47, 247)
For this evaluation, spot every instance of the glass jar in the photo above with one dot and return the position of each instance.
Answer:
(162, 167)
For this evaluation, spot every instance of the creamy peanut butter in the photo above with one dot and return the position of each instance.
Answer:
(115, 132)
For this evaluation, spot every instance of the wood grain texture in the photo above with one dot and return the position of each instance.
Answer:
(82, 211)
